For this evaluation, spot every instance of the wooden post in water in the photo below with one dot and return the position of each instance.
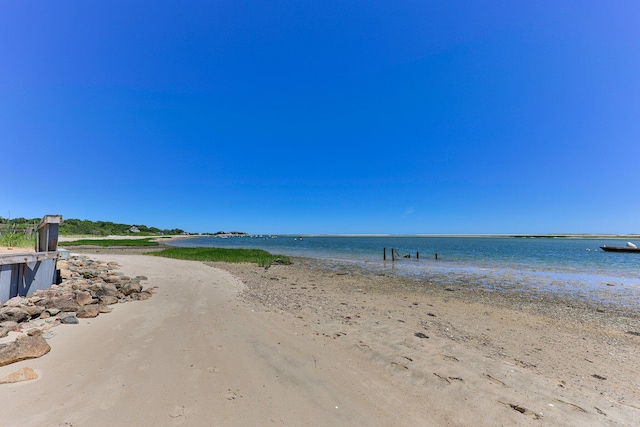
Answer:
(393, 254)
(384, 254)
(417, 255)
(436, 255)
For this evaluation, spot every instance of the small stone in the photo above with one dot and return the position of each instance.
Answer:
(24, 374)
(48, 335)
(105, 309)
(52, 311)
(108, 300)
(131, 287)
(70, 319)
(88, 311)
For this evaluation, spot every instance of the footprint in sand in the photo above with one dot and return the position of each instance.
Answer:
(178, 414)
(115, 381)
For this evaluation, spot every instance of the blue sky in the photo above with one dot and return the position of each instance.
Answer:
(323, 116)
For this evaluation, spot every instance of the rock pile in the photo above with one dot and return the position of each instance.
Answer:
(87, 289)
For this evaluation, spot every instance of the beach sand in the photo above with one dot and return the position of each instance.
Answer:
(299, 345)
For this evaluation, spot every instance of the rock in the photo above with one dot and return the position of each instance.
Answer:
(64, 302)
(24, 374)
(70, 320)
(108, 300)
(88, 311)
(108, 289)
(105, 309)
(112, 278)
(16, 302)
(23, 348)
(4, 331)
(45, 315)
(13, 313)
(52, 311)
(131, 288)
(11, 325)
(141, 296)
(90, 274)
(33, 310)
(34, 331)
(83, 298)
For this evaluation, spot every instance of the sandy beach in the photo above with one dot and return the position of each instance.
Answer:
(300, 345)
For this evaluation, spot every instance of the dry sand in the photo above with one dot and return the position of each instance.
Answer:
(304, 346)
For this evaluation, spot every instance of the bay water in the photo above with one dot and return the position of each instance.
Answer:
(574, 266)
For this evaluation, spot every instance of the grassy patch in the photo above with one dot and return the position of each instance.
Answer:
(110, 242)
(18, 240)
(262, 258)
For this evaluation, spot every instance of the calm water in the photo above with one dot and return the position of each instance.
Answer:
(548, 264)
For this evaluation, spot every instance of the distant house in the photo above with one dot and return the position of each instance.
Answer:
(134, 229)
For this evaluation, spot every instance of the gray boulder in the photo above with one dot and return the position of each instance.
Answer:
(70, 319)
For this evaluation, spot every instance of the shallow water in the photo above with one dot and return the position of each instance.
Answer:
(573, 266)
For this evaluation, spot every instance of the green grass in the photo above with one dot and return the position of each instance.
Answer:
(18, 240)
(110, 242)
(262, 258)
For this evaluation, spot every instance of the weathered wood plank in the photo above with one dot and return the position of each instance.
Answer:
(24, 257)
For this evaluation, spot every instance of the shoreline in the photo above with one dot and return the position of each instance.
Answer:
(435, 283)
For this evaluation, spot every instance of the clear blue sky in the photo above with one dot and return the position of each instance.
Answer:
(300, 116)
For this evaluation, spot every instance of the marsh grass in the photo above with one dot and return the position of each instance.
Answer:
(262, 258)
(111, 242)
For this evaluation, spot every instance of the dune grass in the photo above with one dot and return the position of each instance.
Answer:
(19, 240)
(262, 258)
(105, 243)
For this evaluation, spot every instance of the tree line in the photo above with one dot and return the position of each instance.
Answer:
(87, 227)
